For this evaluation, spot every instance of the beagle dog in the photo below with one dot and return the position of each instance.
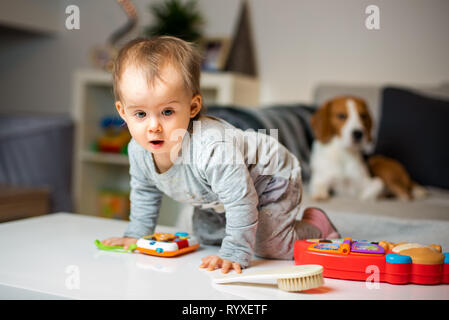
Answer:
(342, 128)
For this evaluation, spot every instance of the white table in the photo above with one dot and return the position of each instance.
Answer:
(54, 257)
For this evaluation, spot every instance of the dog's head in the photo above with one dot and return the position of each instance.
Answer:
(347, 118)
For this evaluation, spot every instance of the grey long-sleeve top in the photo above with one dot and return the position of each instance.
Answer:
(219, 166)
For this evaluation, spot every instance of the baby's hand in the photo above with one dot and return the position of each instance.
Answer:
(125, 242)
(213, 262)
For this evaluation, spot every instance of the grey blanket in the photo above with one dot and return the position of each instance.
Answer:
(291, 121)
(376, 228)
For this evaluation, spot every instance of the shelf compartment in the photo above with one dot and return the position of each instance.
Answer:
(105, 158)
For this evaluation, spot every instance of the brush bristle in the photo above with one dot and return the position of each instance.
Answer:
(301, 283)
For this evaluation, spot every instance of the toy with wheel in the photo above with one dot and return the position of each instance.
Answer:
(398, 263)
(159, 244)
(167, 244)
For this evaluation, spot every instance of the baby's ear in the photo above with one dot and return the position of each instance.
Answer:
(195, 105)
(120, 109)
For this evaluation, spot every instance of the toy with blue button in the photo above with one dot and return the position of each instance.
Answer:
(398, 263)
(159, 244)
(167, 244)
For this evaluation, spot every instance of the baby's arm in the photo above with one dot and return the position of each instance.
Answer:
(212, 262)
(145, 199)
(230, 180)
(145, 205)
(115, 241)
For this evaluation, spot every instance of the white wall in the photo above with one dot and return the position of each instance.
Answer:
(302, 43)
(299, 44)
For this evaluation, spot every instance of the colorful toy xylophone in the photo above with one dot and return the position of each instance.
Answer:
(398, 263)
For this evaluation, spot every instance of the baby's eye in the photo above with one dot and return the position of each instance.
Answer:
(167, 112)
(140, 114)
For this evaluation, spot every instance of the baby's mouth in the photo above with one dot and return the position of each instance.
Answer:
(156, 142)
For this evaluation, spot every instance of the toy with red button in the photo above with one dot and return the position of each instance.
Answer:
(167, 244)
(398, 263)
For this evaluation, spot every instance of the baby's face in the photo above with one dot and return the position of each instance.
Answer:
(158, 115)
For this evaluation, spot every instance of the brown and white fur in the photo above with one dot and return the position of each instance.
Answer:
(342, 128)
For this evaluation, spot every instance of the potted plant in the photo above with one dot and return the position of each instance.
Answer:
(177, 18)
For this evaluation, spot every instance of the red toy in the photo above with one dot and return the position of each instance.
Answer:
(399, 263)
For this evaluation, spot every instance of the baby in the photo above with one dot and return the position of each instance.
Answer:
(245, 186)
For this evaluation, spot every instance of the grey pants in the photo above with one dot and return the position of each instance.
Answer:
(277, 228)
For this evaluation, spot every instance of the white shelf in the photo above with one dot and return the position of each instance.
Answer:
(106, 158)
(229, 89)
(41, 17)
(93, 99)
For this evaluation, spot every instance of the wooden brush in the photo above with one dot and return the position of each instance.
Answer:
(294, 278)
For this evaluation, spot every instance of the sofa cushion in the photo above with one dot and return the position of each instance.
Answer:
(414, 130)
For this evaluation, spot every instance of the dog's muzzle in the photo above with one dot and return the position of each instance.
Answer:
(357, 136)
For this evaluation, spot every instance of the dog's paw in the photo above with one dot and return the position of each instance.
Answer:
(404, 196)
(372, 190)
(320, 195)
(320, 198)
(419, 192)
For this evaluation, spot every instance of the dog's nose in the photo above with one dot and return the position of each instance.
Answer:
(357, 135)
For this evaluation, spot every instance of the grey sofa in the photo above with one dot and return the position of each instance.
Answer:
(435, 206)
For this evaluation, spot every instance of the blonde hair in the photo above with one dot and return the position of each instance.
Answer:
(152, 54)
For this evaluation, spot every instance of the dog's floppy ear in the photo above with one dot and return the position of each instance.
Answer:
(368, 121)
(320, 123)
(369, 129)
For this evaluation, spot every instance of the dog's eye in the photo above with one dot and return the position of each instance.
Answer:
(341, 116)
(364, 116)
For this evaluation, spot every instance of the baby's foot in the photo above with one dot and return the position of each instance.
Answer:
(321, 221)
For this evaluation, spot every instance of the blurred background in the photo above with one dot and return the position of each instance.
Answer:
(63, 147)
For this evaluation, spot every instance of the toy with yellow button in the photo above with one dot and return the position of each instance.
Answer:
(159, 244)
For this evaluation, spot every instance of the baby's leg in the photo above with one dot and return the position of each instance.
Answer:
(318, 219)
(276, 233)
(306, 230)
(276, 237)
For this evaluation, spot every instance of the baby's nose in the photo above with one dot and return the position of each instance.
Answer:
(154, 125)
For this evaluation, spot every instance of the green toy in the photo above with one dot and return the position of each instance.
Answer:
(101, 246)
